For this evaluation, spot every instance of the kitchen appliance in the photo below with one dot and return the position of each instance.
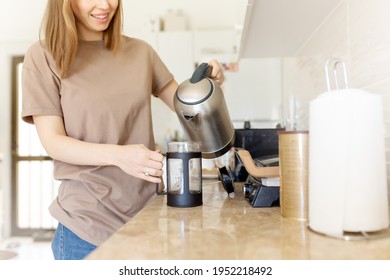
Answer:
(201, 108)
(184, 175)
(227, 180)
(256, 169)
(263, 191)
(259, 142)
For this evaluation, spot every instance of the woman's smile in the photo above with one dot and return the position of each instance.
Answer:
(101, 17)
(93, 17)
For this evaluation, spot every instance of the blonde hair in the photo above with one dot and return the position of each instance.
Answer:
(61, 37)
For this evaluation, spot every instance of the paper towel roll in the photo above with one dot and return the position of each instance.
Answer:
(347, 168)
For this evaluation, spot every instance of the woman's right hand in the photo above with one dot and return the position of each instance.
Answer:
(140, 162)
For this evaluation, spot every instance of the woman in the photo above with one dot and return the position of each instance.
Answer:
(87, 88)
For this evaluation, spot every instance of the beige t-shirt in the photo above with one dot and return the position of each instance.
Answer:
(104, 99)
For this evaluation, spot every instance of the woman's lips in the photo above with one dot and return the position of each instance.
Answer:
(102, 17)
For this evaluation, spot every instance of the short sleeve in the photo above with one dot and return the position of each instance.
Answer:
(161, 75)
(40, 84)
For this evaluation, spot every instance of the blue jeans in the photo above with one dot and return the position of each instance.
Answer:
(68, 246)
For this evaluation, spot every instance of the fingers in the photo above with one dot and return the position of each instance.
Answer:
(155, 156)
(148, 177)
(217, 72)
(140, 162)
(152, 168)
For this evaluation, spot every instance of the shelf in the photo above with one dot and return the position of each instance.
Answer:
(279, 28)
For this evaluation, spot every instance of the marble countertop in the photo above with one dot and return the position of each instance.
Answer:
(226, 228)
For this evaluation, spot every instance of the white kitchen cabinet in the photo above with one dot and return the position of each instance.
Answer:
(279, 28)
(215, 44)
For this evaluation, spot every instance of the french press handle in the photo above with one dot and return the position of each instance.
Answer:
(165, 190)
(158, 192)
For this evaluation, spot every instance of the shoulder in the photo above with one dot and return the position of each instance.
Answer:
(132, 42)
(37, 49)
(38, 58)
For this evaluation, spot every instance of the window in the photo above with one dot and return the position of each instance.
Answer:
(33, 186)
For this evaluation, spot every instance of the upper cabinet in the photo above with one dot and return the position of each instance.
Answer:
(278, 28)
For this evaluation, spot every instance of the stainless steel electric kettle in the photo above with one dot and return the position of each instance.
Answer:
(201, 108)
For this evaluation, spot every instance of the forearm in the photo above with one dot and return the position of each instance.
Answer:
(61, 147)
(70, 150)
(136, 160)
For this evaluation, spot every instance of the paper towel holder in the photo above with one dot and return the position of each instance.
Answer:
(333, 65)
(354, 236)
(336, 62)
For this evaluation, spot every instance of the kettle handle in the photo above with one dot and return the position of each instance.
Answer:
(203, 71)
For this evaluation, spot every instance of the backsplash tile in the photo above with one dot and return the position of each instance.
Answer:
(369, 23)
(304, 75)
(330, 38)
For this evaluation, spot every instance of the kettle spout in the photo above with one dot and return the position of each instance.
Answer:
(188, 117)
(256, 171)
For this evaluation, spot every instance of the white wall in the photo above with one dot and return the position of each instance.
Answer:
(254, 92)
(21, 20)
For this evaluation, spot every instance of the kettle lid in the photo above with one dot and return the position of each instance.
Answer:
(192, 94)
(198, 88)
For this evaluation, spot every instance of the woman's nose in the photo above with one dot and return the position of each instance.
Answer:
(102, 4)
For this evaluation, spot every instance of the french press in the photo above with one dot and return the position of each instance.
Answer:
(184, 174)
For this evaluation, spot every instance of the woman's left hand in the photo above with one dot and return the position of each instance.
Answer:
(217, 72)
